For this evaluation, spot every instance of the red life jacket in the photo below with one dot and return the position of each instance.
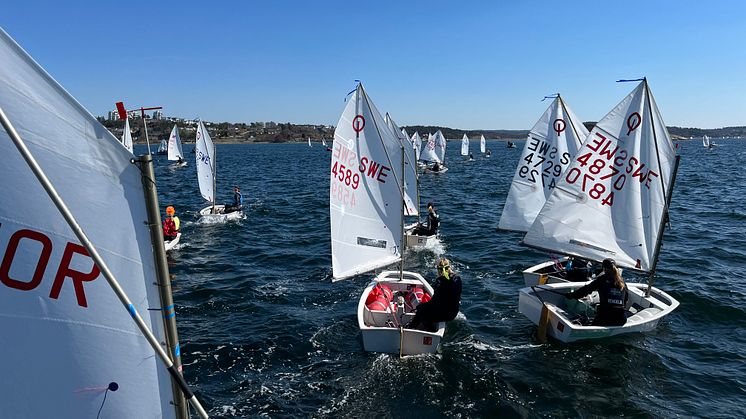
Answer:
(169, 228)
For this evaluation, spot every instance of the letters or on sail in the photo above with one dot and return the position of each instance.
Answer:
(551, 144)
(428, 152)
(65, 335)
(611, 200)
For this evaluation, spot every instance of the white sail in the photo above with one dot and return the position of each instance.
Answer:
(611, 200)
(309, 141)
(440, 146)
(410, 168)
(550, 147)
(65, 334)
(465, 145)
(205, 155)
(706, 141)
(127, 136)
(482, 144)
(174, 145)
(428, 152)
(323, 142)
(365, 200)
(417, 144)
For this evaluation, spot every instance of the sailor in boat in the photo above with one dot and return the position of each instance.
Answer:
(489, 153)
(612, 292)
(471, 156)
(445, 303)
(433, 221)
(171, 224)
(436, 167)
(579, 270)
(237, 204)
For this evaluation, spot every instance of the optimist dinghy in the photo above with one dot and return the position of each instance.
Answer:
(205, 158)
(612, 202)
(174, 148)
(367, 223)
(170, 244)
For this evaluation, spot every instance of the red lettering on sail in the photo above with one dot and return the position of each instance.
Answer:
(77, 277)
(41, 264)
(373, 169)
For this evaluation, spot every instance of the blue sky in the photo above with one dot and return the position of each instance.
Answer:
(463, 64)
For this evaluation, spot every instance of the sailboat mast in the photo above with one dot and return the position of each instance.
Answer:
(403, 209)
(214, 167)
(664, 219)
(572, 125)
(145, 125)
(103, 267)
(667, 202)
(145, 162)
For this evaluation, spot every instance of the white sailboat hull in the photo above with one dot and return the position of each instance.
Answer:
(443, 169)
(219, 216)
(171, 244)
(644, 313)
(533, 275)
(383, 331)
(414, 240)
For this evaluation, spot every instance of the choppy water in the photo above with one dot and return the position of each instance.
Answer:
(264, 332)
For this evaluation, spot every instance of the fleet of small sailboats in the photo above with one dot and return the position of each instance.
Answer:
(584, 195)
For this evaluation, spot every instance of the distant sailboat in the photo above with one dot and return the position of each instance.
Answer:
(77, 341)
(367, 222)
(174, 148)
(309, 142)
(417, 144)
(482, 144)
(162, 148)
(465, 145)
(127, 136)
(437, 153)
(707, 143)
(612, 202)
(323, 142)
(206, 177)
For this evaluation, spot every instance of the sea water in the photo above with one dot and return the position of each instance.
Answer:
(264, 331)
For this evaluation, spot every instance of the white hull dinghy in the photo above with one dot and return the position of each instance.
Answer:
(218, 215)
(383, 328)
(416, 240)
(628, 166)
(569, 320)
(170, 244)
(175, 153)
(205, 159)
(367, 228)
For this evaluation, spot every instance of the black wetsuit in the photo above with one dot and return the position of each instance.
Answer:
(612, 300)
(433, 221)
(237, 203)
(443, 307)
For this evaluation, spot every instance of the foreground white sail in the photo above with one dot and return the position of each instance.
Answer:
(127, 136)
(612, 199)
(465, 145)
(551, 144)
(482, 144)
(367, 221)
(611, 203)
(174, 147)
(67, 341)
